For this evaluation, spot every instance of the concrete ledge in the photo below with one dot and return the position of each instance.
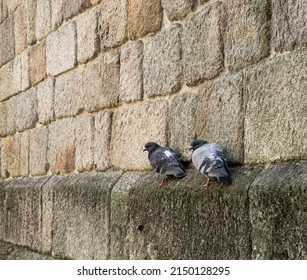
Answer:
(110, 215)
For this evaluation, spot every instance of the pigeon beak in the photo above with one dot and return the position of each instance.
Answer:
(191, 148)
(144, 150)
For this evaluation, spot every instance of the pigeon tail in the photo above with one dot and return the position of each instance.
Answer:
(224, 180)
(180, 175)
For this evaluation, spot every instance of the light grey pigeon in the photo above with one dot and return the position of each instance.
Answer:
(164, 160)
(210, 160)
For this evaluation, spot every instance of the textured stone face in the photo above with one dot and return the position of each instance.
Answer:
(132, 128)
(81, 213)
(37, 63)
(62, 146)
(45, 101)
(182, 123)
(101, 141)
(220, 115)
(84, 143)
(101, 82)
(20, 29)
(278, 212)
(162, 62)
(67, 94)
(87, 32)
(43, 18)
(30, 7)
(2, 214)
(113, 23)
(177, 9)
(21, 79)
(131, 72)
(61, 50)
(6, 78)
(3, 11)
(38, 151)
(202, 37)
(289, 24)
(24, 153)
(3, 119)
(247, 32)
(7, 46)
(143, 17)
(275, 101)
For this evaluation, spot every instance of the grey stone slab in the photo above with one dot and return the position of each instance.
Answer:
(42, 18)
(7, 47)
(2, 212)
(178, 9)
(45, 101)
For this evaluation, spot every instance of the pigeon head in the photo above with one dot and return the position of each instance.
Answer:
(151, 147)
(196, 144)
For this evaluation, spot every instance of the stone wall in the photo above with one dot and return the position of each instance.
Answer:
(85, 84)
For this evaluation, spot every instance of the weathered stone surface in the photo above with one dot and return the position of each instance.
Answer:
(71, 8)
(9, 251)
(182, 123)
(42, 19)
(10, 107)
(24, 153)
(275, 116)
(6, 78)
(38, 151)
(113, 23)
(3, 10)
(12, 5)
(181, 202)
(37, 63)
(2, 159)
(131, 72)
(201, 2)
(45, 95)
(3, 119)
(20, 29)
(247, 32)
(143, 17)
(26, 110)
(178, 9)
(84, 143)
(278, 212)
(21, 80)
(81, 211)
(131, 128)
(162, 62)
(56, 13)
(289, 23)
(23, 212)
(101, 141)
(101, 82)
(87, 32)
(2, 215)
(7, 46)
(220, 115)
(68, 94)
(61, 49)
(31, 16)
(202, 45)
(62, 146)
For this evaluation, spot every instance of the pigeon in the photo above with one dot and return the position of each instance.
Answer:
(164, 160)
(210, 160)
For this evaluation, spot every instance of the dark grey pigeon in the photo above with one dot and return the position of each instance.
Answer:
(210, 160)
(164, 161)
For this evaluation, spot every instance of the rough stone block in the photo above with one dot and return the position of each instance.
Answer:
(3, 10)
(157, 233)
(61, 49)
(131, 72)
(62, 146)
(101, 141)
(101, 82)
(87, 32)
(3, 119)
(10, 156)
(20, 29)
(278, 212)
(11, 110)
(134, 126)
(202, 36)
(23, 212)
(162, 62)
(68, 94)
(178, 9)
(289, 24)
(45, 101)
(7, 46)
(3, 166)
(30, 6)
(84, 143)
(26, 110)
(42, 19)
(37, 63)
(113, 23)
(38, 151)
(247, 32)
(12, 5)
(182, 123)
(2, 215)
(6, 78)
(24, 153)
(143, 17)
(81, 211)
(57, 14)
(275, 115)
(220, 115)
(71, 8)
(21, 80)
